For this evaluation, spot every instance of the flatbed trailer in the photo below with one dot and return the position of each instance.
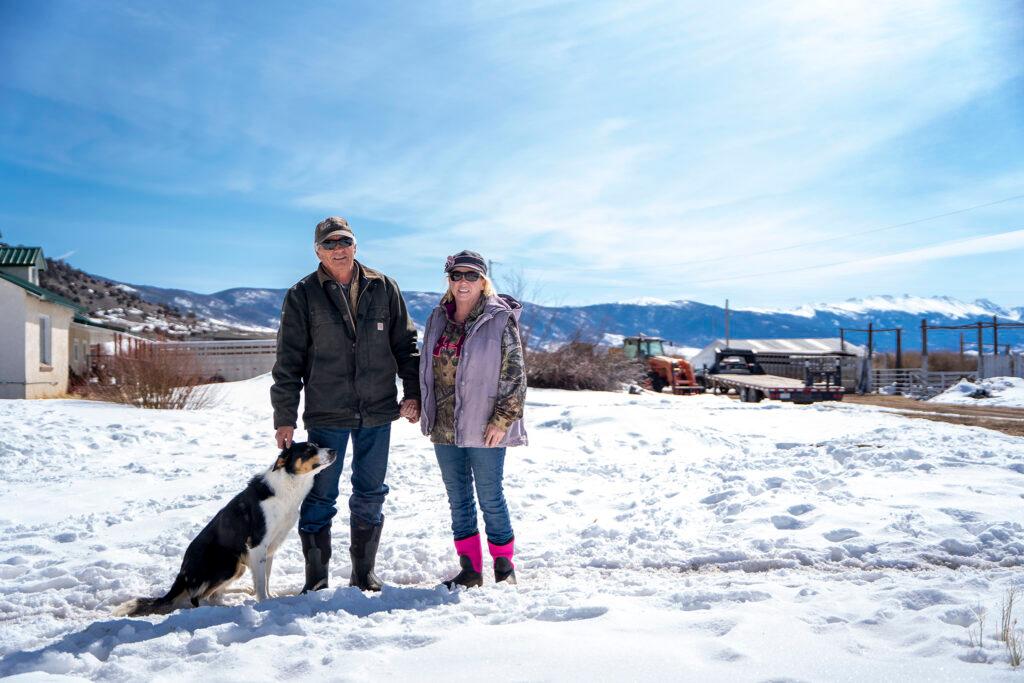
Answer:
(739, 371)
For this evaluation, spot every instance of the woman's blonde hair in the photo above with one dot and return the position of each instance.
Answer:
(488, 289)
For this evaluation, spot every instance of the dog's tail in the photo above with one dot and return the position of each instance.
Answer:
(141, 607)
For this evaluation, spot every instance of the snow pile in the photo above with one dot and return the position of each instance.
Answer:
(1006, 392)
(710, 539)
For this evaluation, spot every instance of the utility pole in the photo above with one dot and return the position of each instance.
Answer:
(981, 351)
(995, 336)
(727, 323)
(899, 347)
(871, 341)
(924, 345)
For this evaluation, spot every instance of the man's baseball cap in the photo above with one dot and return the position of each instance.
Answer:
(332, 226)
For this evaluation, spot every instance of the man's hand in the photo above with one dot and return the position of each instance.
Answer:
(493, 436)
(410, 410)
(284, 436)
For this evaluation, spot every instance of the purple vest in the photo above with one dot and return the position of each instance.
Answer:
(476, 378)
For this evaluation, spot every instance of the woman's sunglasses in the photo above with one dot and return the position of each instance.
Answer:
(340, 243)
(468, 275)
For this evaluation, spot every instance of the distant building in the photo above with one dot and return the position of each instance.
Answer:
(34, 328)
(782, 350)
(229, 360)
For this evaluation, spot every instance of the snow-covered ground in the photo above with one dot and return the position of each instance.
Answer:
(660, 538)
(1003, 392)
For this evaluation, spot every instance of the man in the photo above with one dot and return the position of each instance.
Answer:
(345, 332)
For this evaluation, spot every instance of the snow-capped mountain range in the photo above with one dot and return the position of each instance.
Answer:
(686, 323)
(245, 311)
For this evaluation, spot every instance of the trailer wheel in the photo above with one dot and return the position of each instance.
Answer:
(745, 395)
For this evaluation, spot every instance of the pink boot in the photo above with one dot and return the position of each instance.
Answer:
(504, 570)
(471, 559)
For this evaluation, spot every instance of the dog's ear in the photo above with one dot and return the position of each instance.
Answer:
(281, 459)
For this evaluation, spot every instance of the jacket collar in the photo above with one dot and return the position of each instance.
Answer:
(361, 271)
(486, 308)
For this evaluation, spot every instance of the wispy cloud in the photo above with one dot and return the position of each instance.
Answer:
(589, 142)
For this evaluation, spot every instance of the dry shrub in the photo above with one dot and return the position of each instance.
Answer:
(578, 366)
(938, 361)
(154, 378)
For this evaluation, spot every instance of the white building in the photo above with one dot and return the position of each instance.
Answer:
(229, 360)
(792, 348)
(34, 328)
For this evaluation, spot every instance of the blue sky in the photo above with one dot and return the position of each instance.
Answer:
(603, 150)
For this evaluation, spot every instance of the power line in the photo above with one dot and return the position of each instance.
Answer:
(718, 259)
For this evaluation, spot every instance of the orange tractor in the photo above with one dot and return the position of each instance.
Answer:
(662, 370)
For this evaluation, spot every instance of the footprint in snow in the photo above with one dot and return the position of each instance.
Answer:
(837, 535)
(716, 498)
(960, 515)
(801, 509)
(571, 613)
(728, 655)
(787, 522)
(716, 627)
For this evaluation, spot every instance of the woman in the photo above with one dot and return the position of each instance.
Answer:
(473, 384)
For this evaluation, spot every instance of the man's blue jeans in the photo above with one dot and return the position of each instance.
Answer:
(460, 469)
(369, 467)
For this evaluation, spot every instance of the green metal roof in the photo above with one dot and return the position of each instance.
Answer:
(81, 319)
(44, 294)
(21, 256)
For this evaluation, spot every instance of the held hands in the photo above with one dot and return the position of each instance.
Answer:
(284, 436)
(410, 410)
(493, 436)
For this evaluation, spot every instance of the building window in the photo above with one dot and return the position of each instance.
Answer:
(45, 340)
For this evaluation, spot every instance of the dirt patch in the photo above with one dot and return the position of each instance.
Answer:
(1006, 420)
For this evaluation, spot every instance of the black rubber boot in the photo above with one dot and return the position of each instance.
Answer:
(365, 539)
(468, 577)
(316, 548)
(504, 571)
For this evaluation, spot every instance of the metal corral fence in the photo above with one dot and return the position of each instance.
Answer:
(209, 361)
(924, 384)
(229, 360)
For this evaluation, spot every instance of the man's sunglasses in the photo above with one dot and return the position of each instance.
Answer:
(339, 243)
(468, 275)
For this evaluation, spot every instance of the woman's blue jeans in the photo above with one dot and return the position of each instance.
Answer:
(461, 468)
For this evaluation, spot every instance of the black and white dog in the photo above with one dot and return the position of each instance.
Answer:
(245, 533)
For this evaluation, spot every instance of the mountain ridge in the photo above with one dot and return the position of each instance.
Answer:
(254, 311)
